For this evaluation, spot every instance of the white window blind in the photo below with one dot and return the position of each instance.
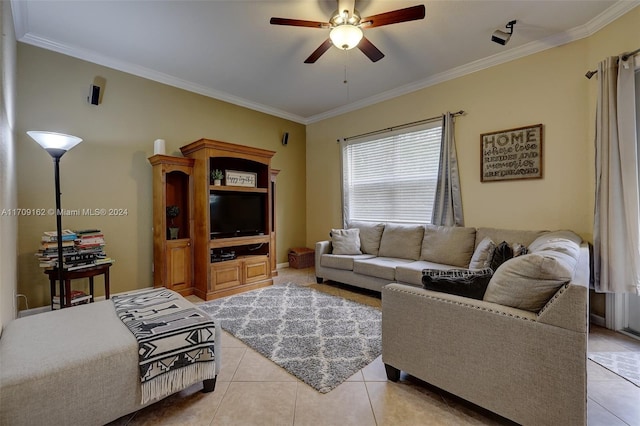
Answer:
(392, 178)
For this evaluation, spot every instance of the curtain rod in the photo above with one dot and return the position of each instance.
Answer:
(400, 126)
(625, 56)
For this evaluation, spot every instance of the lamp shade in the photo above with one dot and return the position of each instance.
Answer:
(346, 36)
(56, 144)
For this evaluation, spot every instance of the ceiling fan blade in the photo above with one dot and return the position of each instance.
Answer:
(348, 5)
(319, 52)
(401, 15)
(299, 23)
(370, 50)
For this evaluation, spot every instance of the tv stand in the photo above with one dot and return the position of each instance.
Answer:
(254, 255)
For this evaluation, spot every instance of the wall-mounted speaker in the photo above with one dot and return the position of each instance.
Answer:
(285, 138)
(94, 95)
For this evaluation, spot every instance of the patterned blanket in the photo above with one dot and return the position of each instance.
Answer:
(176, 340)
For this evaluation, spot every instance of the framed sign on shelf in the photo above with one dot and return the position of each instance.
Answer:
(511, 154)
(236, 178)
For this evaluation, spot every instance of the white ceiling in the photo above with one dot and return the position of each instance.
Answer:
(229, 51)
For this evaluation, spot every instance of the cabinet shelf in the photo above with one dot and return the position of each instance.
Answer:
(237, 189)
(238, 241)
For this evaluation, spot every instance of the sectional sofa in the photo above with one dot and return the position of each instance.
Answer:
(518, 350)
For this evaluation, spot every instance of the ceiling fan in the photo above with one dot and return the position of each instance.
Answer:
(346, 28)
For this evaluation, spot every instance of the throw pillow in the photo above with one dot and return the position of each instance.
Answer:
(519, 249)
(481, 258)
(501, 254)
(529, 281)
(345, 241)
(461, 282)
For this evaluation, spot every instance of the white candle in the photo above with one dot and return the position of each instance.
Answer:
(158, 146)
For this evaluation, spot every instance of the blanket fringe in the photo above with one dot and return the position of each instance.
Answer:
(175, 380)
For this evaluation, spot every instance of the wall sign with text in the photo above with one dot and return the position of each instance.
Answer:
(511, 154)
(235, 178)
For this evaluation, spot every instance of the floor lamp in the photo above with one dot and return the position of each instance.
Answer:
(56, 144)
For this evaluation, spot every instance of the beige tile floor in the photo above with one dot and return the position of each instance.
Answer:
(251, 390)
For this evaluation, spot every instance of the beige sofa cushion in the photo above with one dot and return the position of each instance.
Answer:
(529, 281)
(344, 262)
(449, 245)
(565, 242)
(370, 236)
(345, 241)
(401, 241)
(379, 267)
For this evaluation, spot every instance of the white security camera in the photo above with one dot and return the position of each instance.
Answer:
(502, 37)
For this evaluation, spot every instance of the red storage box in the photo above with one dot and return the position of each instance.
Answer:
(301, 257)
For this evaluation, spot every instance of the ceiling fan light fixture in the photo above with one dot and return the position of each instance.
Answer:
(346, 36)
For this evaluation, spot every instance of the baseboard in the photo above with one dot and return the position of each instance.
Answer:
(33, 311)
(282, 265)
(41, 309)
(597, 320)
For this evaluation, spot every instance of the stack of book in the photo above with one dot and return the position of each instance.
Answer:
(80, 249)
(77, 298)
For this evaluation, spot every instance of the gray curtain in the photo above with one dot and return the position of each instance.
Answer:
(447, 204)
(616, 230)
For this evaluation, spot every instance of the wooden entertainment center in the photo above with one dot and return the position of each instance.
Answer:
(226, 241)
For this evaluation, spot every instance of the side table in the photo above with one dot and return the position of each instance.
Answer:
(67, 276)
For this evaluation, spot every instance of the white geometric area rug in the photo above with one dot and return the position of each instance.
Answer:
(624, 364)
(319, 338)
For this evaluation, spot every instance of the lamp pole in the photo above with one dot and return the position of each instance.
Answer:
(56, 162)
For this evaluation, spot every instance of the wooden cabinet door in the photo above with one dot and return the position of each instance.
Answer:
(226, 274)
(178, 258)
(256, 268)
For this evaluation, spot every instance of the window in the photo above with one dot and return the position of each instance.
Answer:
(392, 178)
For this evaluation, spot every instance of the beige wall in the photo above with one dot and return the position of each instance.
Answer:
(548, 88)
(8, 187)
(110, 168)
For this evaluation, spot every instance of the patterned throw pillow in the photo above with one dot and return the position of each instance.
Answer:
(461, 282)
(501, 254)
(519, 249)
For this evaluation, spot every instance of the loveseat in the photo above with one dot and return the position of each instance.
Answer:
(76, 366)
(519, 350)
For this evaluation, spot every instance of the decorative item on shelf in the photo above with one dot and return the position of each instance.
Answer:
(247, 179)
(158, 147)
(173, 212)
(217, 176)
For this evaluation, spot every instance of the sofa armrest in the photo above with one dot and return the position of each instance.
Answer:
(569, 307)
(322, 247)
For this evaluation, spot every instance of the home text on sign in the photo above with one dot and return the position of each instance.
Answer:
(512, 154)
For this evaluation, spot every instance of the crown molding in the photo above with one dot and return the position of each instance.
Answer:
(20, 21)
(610, 14)
(594, 25)
(150, 74)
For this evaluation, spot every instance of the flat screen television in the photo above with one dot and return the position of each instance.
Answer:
(237, 214)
